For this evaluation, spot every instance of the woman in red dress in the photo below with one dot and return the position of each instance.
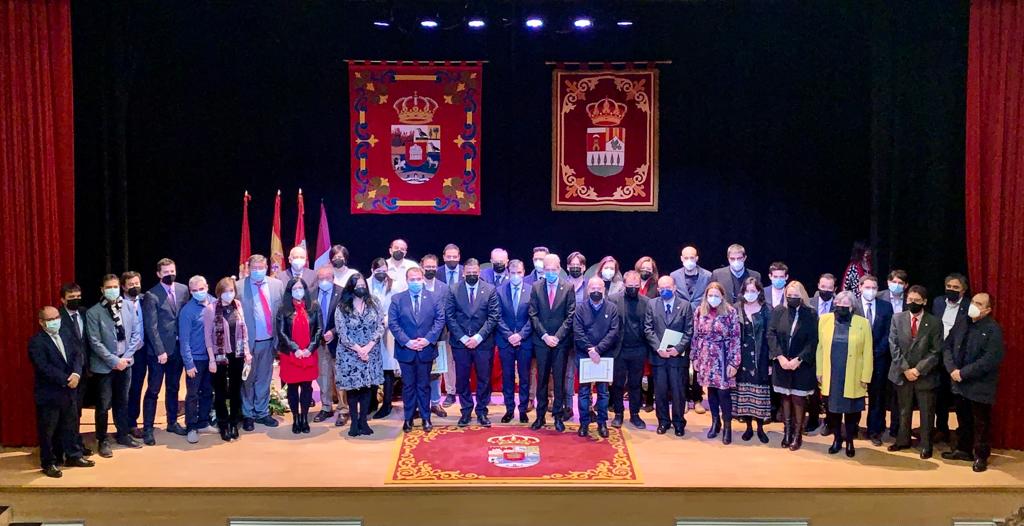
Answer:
(298, 332)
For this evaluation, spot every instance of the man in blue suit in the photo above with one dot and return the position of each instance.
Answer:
(160, 309)
(497, 274)
(452, 271)
(879, 315)
(416, 319)
(595, 328)
(471, 311)
(515, 347)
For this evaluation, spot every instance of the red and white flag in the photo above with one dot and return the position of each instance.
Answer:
(323, 240)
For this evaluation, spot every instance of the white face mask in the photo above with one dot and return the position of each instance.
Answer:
(538, 264)
(689, 264)
(298, 264)
(608, 274)
(736, 265)
(750, 297)
(974, 312)
(227, 296)
(869, 294)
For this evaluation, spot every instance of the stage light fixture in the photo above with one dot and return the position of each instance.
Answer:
(382, 23)
(476, 23)
(582, 23)
(534, 22)
(428, 23)
(624, 23)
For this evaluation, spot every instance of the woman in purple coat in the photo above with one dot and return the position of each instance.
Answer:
(716, 355)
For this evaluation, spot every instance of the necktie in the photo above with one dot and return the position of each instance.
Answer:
(78, 329)
(174, 300)
(515, 296)
(266, 309)
(415, 305)
(324, 306)
(472, 295)
(871, 313)
(551, 297)
(668, 310)
(913, 326)
(451, 276)
(498, 279)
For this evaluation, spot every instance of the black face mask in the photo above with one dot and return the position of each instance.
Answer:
(134, 292)
(498, 267)
(74, 304)
(430, 274)
(575, 272)
(794, 302)
(843, 313)
(452, 265)
(632, 292)
(596, 296)
(471, 279)
(398, 255)
(380, 276)
(825, 295)
(168, 279)
(644, 275)
(360, 292)
(338, 263)
(952, 295)
(915, 308)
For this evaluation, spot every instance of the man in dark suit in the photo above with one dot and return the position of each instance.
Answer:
(823, 303)
(57, 363)
(669, 311)
(595, 328)
(879, 315)
(949, 308)
(472, 313)
(632, 351)
(915, 340)
(536, 272)
(515, 346)
(732, 276)
(497, 274)
(552, 305)
(160, 309)
(72, 322)
(298, 267)
(432, 284)
(328, 296)
(416, 319)
(972, 354)
(453, 270)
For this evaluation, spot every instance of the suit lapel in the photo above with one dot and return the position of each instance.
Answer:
(56, 351)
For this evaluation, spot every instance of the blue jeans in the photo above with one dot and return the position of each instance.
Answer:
(199, 397)
(435, 389)
(602, 403)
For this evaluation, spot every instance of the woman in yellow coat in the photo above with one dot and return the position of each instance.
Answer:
(845, 362)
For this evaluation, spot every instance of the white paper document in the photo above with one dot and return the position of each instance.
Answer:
(596, 372)
(670, 339)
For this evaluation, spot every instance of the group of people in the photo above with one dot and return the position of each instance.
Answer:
(761, 353)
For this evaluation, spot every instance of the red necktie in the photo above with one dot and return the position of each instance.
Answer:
(266, 310)
(551, 297)
(913, 326)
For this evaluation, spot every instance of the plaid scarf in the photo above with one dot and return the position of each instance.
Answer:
(114, 308)
(220, 325)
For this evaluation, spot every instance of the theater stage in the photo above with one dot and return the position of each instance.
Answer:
(272, 473)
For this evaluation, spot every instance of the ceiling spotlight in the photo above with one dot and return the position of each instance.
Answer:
(624, 23)
(476, 23)
(381, 23)
(428, 23)
(582, 23)
(534, 23)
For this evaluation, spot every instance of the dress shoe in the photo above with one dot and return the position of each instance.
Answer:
(559, 425)
(507, 417)
(897, 447)
(483, 420)
(850, 450)
(617, 421)
(523, 419)
(267, 421)
(680, 431)
(366, 430)
(698, 407)
(233, 431)
(340, 420)
(79, 462)
(323, 415)
(926, 453)
(448, 401)
(637, 422)
(464, 420)
(876, 440)
(662, 429)
(716, 426)
(136, 433)
(980, 465)
(538, 424)
(648, 408)
(727, 434)
(52, 471)
(128, 441)
(382, 413)
(837, 444)
(86, 452)
(104, 449)
(175, 428)
(343, 418)
(427, 426)
(602, 430)
(584, 430)
(407, 426)
(438, 411)
(147, 437)
(957, 455)
(248, 424)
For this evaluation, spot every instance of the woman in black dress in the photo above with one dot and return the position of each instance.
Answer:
(793, 340)
(753, 397)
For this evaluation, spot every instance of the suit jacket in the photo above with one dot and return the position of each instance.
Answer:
(724, 276)
(976, 349)
(52, 370)
(680, 320)
(442, 274)
(514, 318)
(489, 276)
(308, 275)
(250, 302)
(427, 323)
(880, 328)
(804, 342)
(769, 298)
(703, 278)
(596, 328)
(79, 341)
(531, 278)
(939, 308)
(816, 299)
(923, 353)
(625, 321)
(887, 296)
(103, 337)
(554, 319)
(328, 322)
(160, 318)
(465, 319)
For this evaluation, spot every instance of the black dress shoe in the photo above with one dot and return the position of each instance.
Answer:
(850, 450)
(617, 421)
(637, 422)
(173, 427)
(835, 447)
(79, 462)
(680, 431)
(483, 420)
(248, 424)
(897, 447)
(128, 441)
(876, 440)
(53, 472)
(584, 431)
(268, 421)
(225, 434)
(427, 426)
(980, 465)
(602, 430)
(147, 437)
(464, 420)
(538, 424)
(104, 449)
(438, 411)
(957, 455)
(136, 433)
(662, 429)
(353, 430)
(233, 431)
(86, 452)
(926, 453)
(523, 419)
(559, 425)
(407, 426)
(507, 417)
(382, 413)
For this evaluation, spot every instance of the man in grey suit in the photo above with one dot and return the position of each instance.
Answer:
(552, 305)
(732, 276)
(691, 279)
(114, 335)
(261, 297)
(671, 365)
(915, 341)
(160, 309)
(298, 267)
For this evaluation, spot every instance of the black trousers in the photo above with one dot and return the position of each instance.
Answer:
(480, 360)
(906, 395)
(835, 420)
(944, 401)
(974, 434)
(550, 362)
(669, 399)
(112, 395)
(694, 392)
(227, 390)
(628, 376)
(169, 373)
(57, 426)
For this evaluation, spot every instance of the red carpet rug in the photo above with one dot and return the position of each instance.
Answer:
(503, 454)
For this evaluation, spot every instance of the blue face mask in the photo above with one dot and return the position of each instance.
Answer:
(199, 295)
(666, 294)
(551, 276)
(415, 287)
(778, 282)
(326, 285)
(259, 275)
(516, 280)
(895, 288)
(298, 294)
(53, 326)
(111, 293)
(714, 301)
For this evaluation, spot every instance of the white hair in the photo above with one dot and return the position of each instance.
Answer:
(196, 280)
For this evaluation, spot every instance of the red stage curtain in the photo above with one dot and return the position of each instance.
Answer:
(37, 186)
(995, 190)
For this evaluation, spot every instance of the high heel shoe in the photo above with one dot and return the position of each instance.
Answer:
(716, 426)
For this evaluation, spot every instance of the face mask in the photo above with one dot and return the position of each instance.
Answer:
(227, 296)
(666, 294)
(415, 287)
(298, 294)
(974, 312)
(74, 304)
(843, 313)
(360, 292)
(750, 297)
(632, 292)
(168, 279)
(539, 265)
(430, 274)
(689, 264)
(398, 255)
(869, 294)
(298, 264)
(452, 265)
(112, 293)
(952, 296)
(596, 296)
(200, 295)
(607, 274)
(53, 326)
(338, 263)
(516, 279)
(380, 276)
(134, 292)
(326, 285)
(778, 282)
(259, 275)
(895, 288)
(575, 272)
(714, 301)
(736, 265)
(794, 302)
(498, 267)
(551, 276)
(645, 275)
(471, 280)
(825, 295)
(915, 308)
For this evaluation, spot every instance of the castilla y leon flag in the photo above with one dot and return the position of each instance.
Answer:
(276, 250)
(323, 240)
(605, 140)
(415, 138)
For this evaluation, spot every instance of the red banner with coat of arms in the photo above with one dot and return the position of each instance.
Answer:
(415, 138)
(605, 140)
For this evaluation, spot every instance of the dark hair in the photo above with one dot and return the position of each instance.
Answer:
(829, 276)
(348, 294)
(899, 274)
(108, 277)
(919, 290)
(451, 246)
(859, 248)
(428, 256)
(575, 255)
(163, 263)
(68, 288)
(286, 302)
(757, 284)
(654, 267)
(778, 265)
(959, 277)
(471, 262)
(867, 277)
(540, 248)
(381, 262)
(129, 274)
(336, 249)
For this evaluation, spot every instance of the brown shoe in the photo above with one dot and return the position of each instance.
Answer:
(342, 419)
(438, 410)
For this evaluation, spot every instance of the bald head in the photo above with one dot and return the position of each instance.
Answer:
(595, 284)
(666, 282)
(296, 252)
(325, 273)
(552, 262)
(48, 313)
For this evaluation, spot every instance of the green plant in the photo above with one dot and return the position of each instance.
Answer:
(277, 405)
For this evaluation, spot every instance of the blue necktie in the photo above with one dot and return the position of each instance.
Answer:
(472, 295)
(515, 297)
(324, 306)
(871, 314)
(415, 305)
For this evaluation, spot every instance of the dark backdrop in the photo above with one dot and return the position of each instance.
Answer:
(793, 128)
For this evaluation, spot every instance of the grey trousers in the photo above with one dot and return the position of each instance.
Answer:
(328, 389)
(256, 389)
(905, 395)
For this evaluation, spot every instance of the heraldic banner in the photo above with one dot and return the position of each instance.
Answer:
(415, 138)
(605, 140)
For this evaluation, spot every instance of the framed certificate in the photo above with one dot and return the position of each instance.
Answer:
(596, 372)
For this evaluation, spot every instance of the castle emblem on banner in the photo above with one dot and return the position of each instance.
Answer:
(606, 141)
(415, 143)
(513, 451)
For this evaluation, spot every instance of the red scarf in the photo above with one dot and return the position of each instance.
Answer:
(300, 327)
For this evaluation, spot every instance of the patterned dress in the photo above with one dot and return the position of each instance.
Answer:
(358, 328)
(716, 346)
(753, 383)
